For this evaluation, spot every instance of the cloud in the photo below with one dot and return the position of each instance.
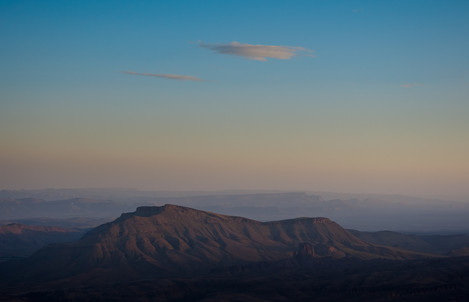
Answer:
(411, 85)
(166, 76)
(257, 52)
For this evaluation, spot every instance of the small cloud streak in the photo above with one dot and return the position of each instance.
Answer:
(411, 85)
(166, 76)
(257, 52)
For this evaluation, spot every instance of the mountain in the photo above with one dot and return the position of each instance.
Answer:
(174, 253)
(19, 240)
(448, 245)
(175, 240)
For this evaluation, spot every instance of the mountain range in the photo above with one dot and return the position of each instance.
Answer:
(176, 253)
(362, 212)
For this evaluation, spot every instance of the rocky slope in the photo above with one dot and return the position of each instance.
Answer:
(173, 240)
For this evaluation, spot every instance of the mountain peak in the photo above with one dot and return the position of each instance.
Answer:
(145, 211)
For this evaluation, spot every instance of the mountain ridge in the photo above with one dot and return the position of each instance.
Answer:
(175, 240)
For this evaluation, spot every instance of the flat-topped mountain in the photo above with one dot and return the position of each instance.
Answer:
(175, 240)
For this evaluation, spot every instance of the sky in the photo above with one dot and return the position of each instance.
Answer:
(341, 96)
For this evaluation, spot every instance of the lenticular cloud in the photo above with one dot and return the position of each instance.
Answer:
(257, 52)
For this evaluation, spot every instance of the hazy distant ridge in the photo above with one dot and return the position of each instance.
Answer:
(367, 213)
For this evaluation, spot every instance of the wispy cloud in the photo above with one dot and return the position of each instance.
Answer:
(258, 52)
(410, 85)
(166, 76)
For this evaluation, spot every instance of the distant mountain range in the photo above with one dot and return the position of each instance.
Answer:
(76, 207)
(365, 213)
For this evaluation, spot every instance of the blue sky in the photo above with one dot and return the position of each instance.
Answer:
(372, 96)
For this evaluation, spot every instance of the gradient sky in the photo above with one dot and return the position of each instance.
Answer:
(351, 96)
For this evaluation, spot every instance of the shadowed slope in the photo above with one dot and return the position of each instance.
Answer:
(19, 240)
(447, 245)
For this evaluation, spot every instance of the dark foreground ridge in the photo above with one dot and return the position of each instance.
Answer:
(214, 256)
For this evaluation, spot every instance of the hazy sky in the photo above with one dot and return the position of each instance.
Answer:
(355, 96)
